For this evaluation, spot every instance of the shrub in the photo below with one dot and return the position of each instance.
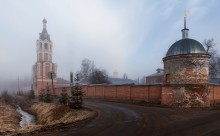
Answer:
(6, 97)
(76, 98)
(64, 97)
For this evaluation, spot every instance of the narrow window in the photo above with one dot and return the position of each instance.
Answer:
(45, 46)
(41, 46)
(167, 78)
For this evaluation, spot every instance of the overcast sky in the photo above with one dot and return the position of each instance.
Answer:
(130, 36)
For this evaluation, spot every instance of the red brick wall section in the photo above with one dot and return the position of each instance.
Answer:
(167, 95)
(110, 92)
(214, 94)
(91, 91)
(123, 92)
(139, 93)
(126, 92)
(148, 93)
(99, 91)
(154, 93)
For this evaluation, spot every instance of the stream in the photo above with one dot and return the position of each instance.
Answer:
(26, 119)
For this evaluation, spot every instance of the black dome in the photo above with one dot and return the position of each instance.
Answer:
(185, 46)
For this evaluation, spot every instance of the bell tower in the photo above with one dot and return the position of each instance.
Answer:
(44, 69)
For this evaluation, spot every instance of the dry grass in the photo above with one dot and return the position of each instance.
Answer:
(53, 116)
(9, 118)
(48, 115)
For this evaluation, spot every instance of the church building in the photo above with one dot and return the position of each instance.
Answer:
(44, 70)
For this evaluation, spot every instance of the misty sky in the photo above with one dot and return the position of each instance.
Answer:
(130, 36)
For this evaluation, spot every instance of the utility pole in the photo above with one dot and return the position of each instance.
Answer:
(18, 84)
(71, 79)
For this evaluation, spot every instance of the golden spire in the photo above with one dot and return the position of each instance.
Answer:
(186, 13)
(185, 30)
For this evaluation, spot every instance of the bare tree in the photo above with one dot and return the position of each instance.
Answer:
(209, 44)
(87, 67)
(125, 76)
(214, 64)
(99, 77)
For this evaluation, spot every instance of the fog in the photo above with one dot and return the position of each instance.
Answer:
(14, 85)
(128, 36)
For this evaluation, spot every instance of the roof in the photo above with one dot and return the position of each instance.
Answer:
(121, 81)
(85, 80)
(113, 81)
(156, 74)
(160, 72)
(185, 46)
(44, 35)
(62, 81)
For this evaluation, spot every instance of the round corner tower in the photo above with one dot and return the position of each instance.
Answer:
(186, 71)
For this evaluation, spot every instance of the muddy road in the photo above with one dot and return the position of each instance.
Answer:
(116, 119)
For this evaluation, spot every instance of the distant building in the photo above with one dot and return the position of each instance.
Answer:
(122, 81)
(62, 82)
(156, 78)
(115, 74)
(113, 81)
(44, 65)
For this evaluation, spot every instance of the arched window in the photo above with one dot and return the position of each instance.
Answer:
(45, 46)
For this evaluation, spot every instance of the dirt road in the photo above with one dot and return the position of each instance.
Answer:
(116, 119)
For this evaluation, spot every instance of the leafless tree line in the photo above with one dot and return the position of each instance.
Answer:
(94, 74)
(214, 64)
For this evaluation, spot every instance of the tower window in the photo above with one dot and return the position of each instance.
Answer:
(40, 57)
(40, 45)
(45, 46)
(167, 78)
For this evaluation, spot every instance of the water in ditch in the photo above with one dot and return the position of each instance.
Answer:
(26, 118)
